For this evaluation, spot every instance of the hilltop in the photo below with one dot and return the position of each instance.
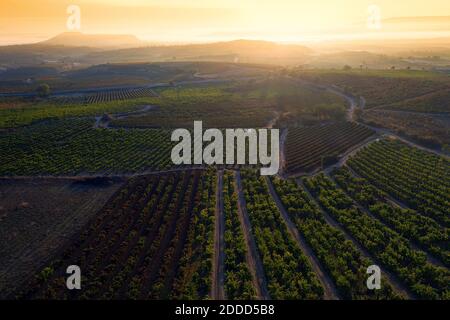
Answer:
(78, 39)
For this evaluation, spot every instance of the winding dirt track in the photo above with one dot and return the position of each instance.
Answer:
(354, 104)
(392, 279)
(253, 260)
(330, 290)
(218, 276)
(381, 131)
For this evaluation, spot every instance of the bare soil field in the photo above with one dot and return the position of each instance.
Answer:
(37, 216)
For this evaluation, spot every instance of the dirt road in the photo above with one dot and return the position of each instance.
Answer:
(353, 104)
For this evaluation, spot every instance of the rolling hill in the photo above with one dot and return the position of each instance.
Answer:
(77, 39)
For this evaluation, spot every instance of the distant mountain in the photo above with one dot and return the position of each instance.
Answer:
(244, 45)
(78, 39)
(67, 49)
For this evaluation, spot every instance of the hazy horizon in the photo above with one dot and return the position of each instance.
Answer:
(204, 21)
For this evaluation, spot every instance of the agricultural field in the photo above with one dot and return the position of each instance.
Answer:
(14, 103)
(228, 104)
(287, 272)
(38, 216)
(204, 159)
(435, 102)
(74, 147)
(316, 147)
(238, 278)
(252, 103)
(214, 105)
(106, 96)
(144, 241)
(410, 103)
(432, 130)
(101, 75)
(400, 84)
(414, 177)
(418, 228)
(390, 248)
(27, 113)
(88, 180)
(340, 257)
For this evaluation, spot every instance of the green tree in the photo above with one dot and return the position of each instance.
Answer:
(43, 90)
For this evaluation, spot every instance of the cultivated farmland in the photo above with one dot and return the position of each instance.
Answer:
(315, 147)
(144, 241)
(88, 180)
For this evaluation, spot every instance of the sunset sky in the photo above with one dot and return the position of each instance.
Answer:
(185, 21)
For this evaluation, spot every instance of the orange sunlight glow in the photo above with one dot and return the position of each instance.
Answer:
(215, 20)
